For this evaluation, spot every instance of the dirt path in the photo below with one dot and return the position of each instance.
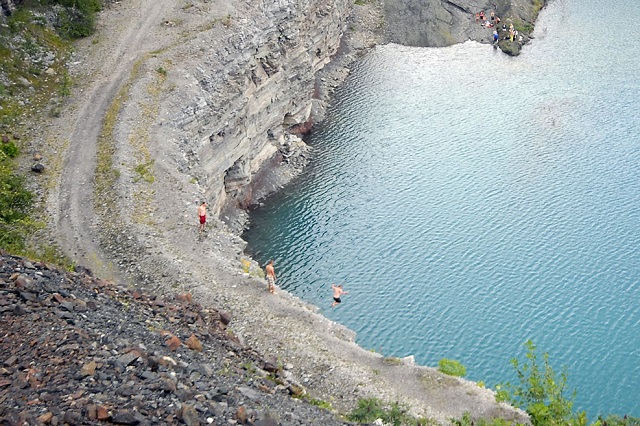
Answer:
(129, 39)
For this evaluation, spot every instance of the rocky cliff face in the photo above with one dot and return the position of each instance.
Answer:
(237, 104)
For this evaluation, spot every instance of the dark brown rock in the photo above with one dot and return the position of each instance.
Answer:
(102, 413)
(37, 168)
(225, 318)
(185, 297)
(270, 366)
(189, 415)
(88, 369)
(92, 412)
(193, 343)
(11, 361)
(129, 358)
(173, 343)
(45, 418)
(241, 415)
(125, 418)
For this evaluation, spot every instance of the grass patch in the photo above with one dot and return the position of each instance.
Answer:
(371, 409)
(144, 172)
(537, 6)
(326, 405)
(467, 420)
(522, 26)
(451, 367)
(15, 204)
(245, 264)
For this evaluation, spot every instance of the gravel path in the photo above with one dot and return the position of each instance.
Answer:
(126, 36)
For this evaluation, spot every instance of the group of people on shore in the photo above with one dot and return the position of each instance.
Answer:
(487, 23)
(511, 34)
(269, 270)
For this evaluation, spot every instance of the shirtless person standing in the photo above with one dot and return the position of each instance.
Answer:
(202, 215)
(337, 292)
(271, 277)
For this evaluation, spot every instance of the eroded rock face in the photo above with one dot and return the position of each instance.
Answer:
(436, 23)
(237, 103)
(236, 90)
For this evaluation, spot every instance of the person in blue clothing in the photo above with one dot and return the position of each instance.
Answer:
(495, 36)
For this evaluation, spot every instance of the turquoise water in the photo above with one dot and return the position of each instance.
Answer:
(470, 201)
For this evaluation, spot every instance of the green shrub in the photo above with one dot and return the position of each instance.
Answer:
(318, 403)
(77, 18)
(74, 23)
(9, 149)
(451, 367)
(15, 202)
(467, 420)
(395, 413)
(613, 420)
(540, 391)
(367, 411)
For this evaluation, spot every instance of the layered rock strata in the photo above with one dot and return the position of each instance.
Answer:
(239, 103)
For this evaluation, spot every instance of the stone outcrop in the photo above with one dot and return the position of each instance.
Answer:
(238, 104)
(443, 23)
(7, 6)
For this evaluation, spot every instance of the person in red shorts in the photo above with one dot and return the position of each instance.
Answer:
(202, 215)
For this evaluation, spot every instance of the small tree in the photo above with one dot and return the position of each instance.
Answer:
(368, 410)
(541, 392)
